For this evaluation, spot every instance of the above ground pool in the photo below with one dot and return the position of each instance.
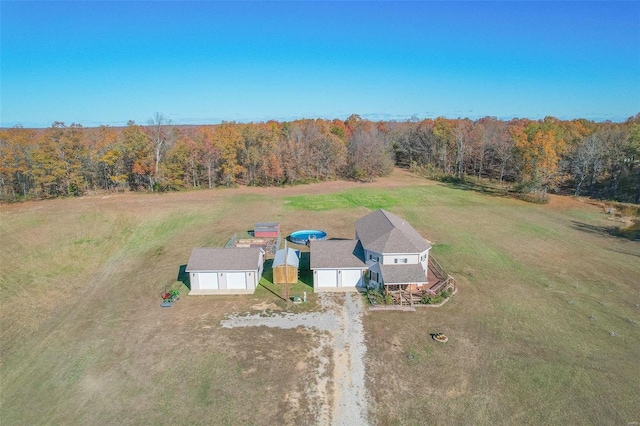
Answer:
(304, 236)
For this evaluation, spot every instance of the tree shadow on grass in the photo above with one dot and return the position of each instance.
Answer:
(480, 187)
(631, 234)
(497, 190)
(183, 276)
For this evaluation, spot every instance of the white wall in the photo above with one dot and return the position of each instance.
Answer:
(424, 259)
(198, 279)
(390, 259)
(412, 259)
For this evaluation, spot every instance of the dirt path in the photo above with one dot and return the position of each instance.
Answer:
(341, 400)
(349, 396)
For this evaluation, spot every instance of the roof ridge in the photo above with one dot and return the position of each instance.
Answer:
(385, 214)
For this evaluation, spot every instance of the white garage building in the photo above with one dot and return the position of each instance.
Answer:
(225, 270)
(337, 265)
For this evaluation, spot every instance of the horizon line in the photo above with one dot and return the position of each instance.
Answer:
(375, 117)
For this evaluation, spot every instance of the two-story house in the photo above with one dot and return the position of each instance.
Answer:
(395, 253)
(387, 250)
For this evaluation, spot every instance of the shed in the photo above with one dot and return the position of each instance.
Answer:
(266, 230)
(225, 270)
(285, 266)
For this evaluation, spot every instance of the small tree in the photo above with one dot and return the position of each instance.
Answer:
(162, 139)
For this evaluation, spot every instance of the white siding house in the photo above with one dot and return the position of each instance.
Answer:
(394, 251)
(225, 270)
(387, 249)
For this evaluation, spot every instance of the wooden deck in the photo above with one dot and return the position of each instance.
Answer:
(245, 239)
(438, 281)
(434, 277)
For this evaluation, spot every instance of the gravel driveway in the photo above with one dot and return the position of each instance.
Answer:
(340, 327)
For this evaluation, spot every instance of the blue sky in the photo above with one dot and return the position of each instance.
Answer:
(202, 62)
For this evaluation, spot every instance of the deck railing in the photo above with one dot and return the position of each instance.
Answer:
(406, 297)
(439, 269)
(449, 283)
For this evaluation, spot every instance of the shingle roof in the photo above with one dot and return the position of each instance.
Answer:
(293, 258)
(384, 232)
(266, 225)
(337, 254)
(224, 259)
(403, 274)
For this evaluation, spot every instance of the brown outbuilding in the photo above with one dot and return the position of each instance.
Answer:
(285, 266)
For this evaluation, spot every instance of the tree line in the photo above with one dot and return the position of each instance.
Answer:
(533, 156)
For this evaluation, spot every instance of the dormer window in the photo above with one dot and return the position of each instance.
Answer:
(400, 260)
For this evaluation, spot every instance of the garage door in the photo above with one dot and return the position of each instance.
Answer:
(327, 278)
(208, 281)
(351, 277)
(236, 281)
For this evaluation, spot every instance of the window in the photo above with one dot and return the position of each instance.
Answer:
(374, 258)
(403, 260)
(373, 276)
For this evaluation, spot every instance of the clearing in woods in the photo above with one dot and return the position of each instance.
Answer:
(545, 328)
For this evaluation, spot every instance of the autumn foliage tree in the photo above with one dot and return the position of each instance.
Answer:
(580, 156)
(538, 151)
(138, 157)
(228, 138)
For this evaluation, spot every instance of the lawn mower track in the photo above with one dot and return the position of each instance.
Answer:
(345, 401)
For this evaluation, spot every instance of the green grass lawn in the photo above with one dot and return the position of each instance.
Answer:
(541, 290)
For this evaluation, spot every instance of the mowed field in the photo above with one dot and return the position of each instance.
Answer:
(544, 329)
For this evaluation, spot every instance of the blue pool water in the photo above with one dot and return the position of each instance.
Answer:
(303, 237)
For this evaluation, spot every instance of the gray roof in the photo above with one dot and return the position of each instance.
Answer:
(261, 225)
(293, 258)
(224, 259)
(403, 274)
(384, 232)
(336, 254)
